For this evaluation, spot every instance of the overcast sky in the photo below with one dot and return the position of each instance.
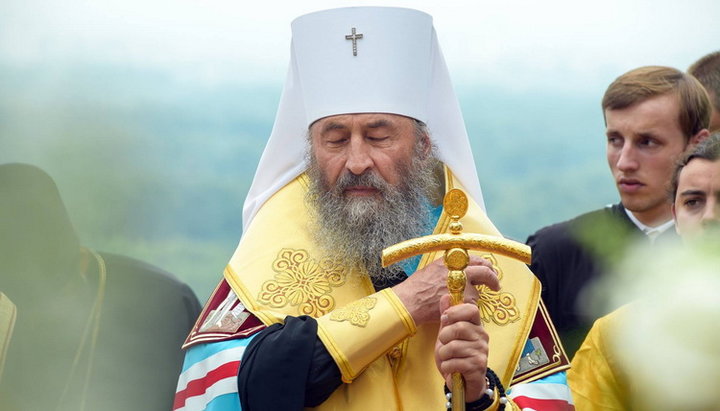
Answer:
(521, 44)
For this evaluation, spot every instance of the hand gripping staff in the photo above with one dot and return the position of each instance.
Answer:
(456, 246)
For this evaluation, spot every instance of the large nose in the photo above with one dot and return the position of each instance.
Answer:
(358, 156)
(627, 158)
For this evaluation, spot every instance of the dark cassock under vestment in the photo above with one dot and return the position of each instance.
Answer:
(289, 328)
(327, 338)
(94, 330)
(569, 256)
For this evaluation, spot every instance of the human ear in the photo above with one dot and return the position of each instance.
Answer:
(672, 208)
(699, 137)
(426, 145)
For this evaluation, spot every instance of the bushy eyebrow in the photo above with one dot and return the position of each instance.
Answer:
(379, 123)
(687, 193)
(332, 125)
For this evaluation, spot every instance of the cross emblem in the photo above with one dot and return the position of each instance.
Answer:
(354, 37)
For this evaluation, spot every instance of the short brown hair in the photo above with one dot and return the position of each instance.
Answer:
(707, 71)
(642, 83)
(708, 149)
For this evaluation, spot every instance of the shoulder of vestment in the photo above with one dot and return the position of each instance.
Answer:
(223, 318)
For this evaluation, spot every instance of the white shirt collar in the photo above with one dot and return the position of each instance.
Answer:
(651, 232)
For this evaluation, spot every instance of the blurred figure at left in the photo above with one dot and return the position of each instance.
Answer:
(94, 331)
(7, 322)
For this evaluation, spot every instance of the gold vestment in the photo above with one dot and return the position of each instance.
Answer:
(386, 361)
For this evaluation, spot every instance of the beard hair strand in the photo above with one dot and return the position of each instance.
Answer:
(354, 231)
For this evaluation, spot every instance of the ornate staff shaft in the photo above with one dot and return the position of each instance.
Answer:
(456, 260)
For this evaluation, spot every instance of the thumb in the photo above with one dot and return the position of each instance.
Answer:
(444, 303)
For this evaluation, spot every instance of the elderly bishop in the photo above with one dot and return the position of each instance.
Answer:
(368, 137)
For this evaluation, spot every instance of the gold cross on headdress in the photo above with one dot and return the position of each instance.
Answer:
(354, 37)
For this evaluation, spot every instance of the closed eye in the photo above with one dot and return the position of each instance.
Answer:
(336, 142)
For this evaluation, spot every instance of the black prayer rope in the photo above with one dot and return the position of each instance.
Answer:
(487, 398)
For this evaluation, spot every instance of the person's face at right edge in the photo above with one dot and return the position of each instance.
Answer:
(697, 202)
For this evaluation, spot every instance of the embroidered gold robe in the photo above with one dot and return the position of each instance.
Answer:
(277, 271)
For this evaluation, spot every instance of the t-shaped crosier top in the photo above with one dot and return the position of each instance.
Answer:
(456, 246)
(455, 205)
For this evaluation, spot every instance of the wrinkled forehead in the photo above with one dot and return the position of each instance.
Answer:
(365, 120)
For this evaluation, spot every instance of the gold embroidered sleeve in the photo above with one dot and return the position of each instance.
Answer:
(359, 333)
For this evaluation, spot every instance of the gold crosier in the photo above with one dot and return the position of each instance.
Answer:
(456, 246)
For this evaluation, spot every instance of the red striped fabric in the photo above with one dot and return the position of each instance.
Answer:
(542, 404)
(200, 385)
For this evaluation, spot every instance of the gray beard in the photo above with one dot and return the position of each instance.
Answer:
(354, 231)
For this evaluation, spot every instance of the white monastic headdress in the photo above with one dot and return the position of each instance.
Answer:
(362, 60)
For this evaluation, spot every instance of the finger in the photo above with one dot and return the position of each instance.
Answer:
(462, 324)
(462, 331)
(474, 260)
(477, 260)
(465, 312)
(462, 349)
(481, 275)
(472, 369)
(471, 295)
(444, 303)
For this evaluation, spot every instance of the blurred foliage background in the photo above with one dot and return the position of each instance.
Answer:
(151, 115)
(157, 168)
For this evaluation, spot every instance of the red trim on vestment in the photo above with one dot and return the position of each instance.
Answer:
(250, 326)
(200, 385)
(544, 329)
(545, 405)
